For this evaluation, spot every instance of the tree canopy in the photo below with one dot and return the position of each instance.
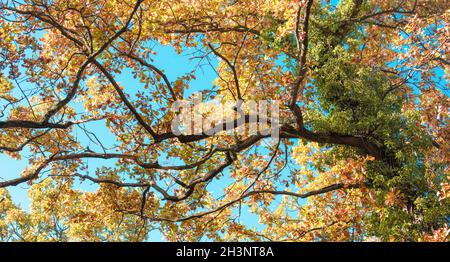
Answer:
(363, 146)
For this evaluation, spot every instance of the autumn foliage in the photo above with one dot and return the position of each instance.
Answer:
(363, 152)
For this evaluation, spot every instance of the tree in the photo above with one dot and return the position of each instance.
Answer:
(363, 149)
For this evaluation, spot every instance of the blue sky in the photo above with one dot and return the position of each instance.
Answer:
(174, 66)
